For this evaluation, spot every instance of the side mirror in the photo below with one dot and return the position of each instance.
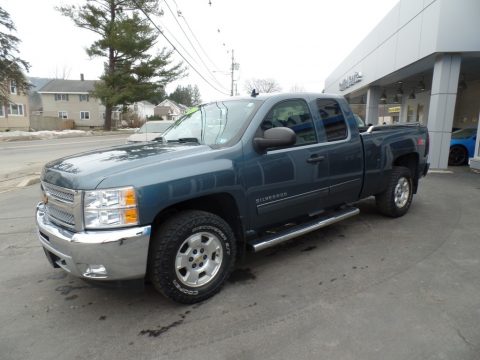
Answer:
(275, 137)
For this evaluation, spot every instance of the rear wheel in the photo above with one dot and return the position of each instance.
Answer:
(457, 156)
(397, 197)
(192, 256)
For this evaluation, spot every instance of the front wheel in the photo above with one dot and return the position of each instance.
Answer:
(192, 255)
(397, 197)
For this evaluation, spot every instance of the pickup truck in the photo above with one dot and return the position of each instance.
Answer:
(240, 174)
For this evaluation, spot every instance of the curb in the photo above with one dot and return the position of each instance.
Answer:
(29, 181)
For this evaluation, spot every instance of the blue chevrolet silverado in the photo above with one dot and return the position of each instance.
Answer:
(233, 175)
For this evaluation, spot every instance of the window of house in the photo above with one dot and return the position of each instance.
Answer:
(84, 115)
(84, 97)
(332, 119)
(13, 87)
(15, 110)
(63, 115)
(2, 114)
(61, 97)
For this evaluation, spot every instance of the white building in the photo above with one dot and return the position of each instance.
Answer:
(420, 63)
(170, 110)
(143, 109)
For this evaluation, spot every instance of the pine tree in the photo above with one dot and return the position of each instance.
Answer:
(186, 95)
(196, 97)
(12, 67)
(126, 40)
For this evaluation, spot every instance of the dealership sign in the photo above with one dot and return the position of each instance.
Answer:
(350, 81)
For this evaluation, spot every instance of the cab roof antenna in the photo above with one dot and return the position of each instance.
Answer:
(254, 93)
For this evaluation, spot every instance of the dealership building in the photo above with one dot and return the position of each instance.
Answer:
(421, 63)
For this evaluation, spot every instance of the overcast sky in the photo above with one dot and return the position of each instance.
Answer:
(298, 43)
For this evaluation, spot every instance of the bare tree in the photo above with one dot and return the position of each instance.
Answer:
(262, 85)
(62, 73)
(297, 88)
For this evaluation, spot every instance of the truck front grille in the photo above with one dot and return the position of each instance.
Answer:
(63, 206)
(57, 215)
(61, 194)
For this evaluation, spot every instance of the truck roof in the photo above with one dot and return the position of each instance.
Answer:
(280, 96)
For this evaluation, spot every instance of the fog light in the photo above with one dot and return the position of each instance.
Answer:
(95, 271)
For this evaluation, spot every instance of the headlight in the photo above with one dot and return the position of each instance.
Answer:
(110, 208)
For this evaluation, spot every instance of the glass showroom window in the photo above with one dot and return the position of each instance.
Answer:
(15, 110)
(63, 115)
(85, 115)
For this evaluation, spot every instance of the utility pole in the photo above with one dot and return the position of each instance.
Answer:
(235, 66)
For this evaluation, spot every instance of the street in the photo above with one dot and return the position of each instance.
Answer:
(19, 159)
(367, 288)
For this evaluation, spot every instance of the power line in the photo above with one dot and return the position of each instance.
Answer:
(179, 43)
(195, 37)
(193, 46)
(174, 47)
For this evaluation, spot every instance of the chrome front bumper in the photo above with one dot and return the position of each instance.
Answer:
(119, 254)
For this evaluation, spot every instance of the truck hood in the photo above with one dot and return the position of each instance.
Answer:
(87, 170)
(143, 137)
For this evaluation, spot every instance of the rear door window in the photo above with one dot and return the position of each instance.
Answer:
(332, 120)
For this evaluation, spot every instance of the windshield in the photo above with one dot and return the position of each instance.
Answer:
(153, 127)
(217, 123)
(464, 133)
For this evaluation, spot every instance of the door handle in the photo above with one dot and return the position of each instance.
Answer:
(315, 159)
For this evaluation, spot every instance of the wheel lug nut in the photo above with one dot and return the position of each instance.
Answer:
(202, 250)
(201, 264)
(190, 259)
(195, 251)
(194, 266)
(204, 257)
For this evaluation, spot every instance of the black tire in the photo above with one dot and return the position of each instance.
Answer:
(186, 239)
(457, 156)
(397, 197)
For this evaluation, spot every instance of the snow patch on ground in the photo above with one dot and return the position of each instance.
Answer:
(45, 134)
(56, 134)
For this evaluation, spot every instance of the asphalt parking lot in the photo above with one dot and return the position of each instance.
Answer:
(367, 288)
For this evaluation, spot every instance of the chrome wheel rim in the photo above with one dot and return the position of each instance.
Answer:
(199, 259)
(402, 192)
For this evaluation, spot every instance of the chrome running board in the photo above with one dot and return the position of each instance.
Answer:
(302, 229)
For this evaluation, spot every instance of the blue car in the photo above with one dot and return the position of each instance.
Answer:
(462, 146)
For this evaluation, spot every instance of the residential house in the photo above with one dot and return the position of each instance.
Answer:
(170, 110)
(34, 99)
(71, 99)
(143, 109)
(14, 113)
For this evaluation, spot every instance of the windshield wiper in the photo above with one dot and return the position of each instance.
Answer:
(185, 140)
